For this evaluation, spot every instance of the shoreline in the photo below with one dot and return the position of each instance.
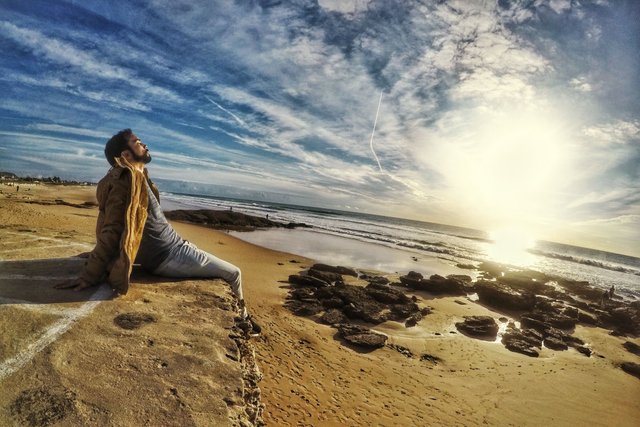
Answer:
(552, 258)
(310, 378)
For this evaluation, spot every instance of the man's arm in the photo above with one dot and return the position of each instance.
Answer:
(108, 240)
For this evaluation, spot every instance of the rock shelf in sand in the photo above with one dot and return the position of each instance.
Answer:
(547, 316)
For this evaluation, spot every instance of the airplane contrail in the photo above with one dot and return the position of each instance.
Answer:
(374, 131)
(238, 119)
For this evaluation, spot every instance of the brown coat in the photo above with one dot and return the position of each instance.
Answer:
(123, 200)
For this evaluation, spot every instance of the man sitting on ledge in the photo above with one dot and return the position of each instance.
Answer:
(132, 229)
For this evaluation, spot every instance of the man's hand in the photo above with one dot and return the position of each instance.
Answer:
(76, 284)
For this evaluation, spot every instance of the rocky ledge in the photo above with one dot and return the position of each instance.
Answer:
(546, 308)
(321, 292)
(227, 220)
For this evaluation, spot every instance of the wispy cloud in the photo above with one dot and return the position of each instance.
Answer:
(69, 129)
(64, 53)
(235, 117)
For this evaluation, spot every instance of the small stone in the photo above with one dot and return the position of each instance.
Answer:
(584, 350)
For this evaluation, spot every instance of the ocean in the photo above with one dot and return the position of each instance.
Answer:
(398, 245)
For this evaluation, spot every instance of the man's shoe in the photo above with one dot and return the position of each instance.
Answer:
(255, 328)
(250, 327)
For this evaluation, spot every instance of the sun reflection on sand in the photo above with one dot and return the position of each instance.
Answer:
(511, 246)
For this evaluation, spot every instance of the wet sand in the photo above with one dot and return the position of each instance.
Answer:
(310, 378)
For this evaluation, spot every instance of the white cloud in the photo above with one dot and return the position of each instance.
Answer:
(617, 196)
(69, 129)
(618, 132)
(65, 53)
(581, 84)
(560, 6)
(622, 219)
(344, 6)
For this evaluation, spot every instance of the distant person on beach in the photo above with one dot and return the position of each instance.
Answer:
(132, 228)
(604, 298)
(607, 295)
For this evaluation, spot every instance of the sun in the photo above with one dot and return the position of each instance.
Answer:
(519, 159)
(505, 165)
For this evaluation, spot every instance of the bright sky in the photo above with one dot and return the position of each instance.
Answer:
(499, 115)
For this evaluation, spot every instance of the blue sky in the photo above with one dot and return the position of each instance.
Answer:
(493, 114)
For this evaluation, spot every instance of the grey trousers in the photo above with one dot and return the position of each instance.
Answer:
(188, 261)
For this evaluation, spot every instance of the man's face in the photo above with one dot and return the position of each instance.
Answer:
(139, 149)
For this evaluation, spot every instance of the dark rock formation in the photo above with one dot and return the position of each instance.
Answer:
(435, 284)
(368, 310)
(333, 317)
(326, 276)
(555, 344)
(525, 341)
(304, 280)
(333, 269)
(430, 358)
(632, 347)
(375, 303)
(386, 294)
(541, 320)
(479, 326)
(333, 302)
(581, 289)
(631, 368)
(584, 350)
(466, 266)
(461, 277)
(306, 307)
(413, 320)
(401, 349)
(495, 295)
(361, 336)
(625, 319)
(414, 275)
(375, 280)
(227, 219)
(586, 318)
(554, 338)
(301, 293)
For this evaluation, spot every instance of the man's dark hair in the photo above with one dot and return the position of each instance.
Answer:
(116, 145)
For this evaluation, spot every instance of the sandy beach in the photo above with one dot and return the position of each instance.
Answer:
(178, 368)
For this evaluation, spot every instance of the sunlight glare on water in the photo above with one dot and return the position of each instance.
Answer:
(511, 246)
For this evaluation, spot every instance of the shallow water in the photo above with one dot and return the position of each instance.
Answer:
(337, 250)
(388, 244)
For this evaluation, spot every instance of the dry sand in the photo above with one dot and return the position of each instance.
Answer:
(77, 358)
(115, 376)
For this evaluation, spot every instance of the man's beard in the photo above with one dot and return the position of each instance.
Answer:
(145, 158)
